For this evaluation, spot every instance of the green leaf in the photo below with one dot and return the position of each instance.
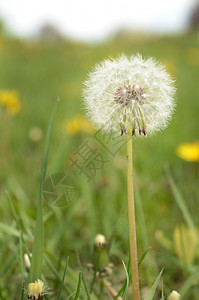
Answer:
(78, 286)
(125, 283)
(84, 281)
(181, 203)
(188, 283)
(7, 229)
(9, 261)
(143, 256)
(153, 289)
(162, 296)
(54, 271)
(62, 282)
(21, 240)
(114, 230)
(22, 291)
(38, 244)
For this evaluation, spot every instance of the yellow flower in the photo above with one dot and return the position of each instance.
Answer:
(185, 243)
(35, 290)
(10, 101)
(76, 125)
(188, 152)
(192, 55)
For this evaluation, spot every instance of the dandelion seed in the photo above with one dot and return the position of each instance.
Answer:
(135, 91)
(36, 290)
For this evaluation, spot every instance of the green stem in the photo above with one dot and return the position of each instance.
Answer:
(131, 217)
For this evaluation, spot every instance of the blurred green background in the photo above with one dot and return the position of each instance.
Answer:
(41, 70)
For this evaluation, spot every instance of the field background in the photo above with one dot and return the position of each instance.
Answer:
(40, 71)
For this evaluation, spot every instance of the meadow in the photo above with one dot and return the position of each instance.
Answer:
(166, 185)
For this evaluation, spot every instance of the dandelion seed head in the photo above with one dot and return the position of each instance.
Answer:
(137, 92)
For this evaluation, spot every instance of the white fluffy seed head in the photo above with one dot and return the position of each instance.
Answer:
(131, 93)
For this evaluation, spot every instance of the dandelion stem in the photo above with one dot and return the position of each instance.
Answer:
(131, 217)
(110, 289)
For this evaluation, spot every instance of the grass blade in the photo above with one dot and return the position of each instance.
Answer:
(54, 271)
(22, 291)
(127, 282)
(143, 256)
(78, 286)
(153, 289)
(188, 283)
(62, 282)
(84, 281)
(21, 240)
(113, 230)
(181, 203)
(38, 244)
(9, 261)
(162, 296)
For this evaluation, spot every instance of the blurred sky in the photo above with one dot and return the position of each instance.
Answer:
(91, 19)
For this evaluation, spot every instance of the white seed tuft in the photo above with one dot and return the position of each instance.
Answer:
(131, 93)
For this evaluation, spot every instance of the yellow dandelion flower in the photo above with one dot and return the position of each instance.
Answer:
(188, 151)
(10, 101)
(76, 125)
(192, 56)
(35, 290)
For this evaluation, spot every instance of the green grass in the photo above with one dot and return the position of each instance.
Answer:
(41, 72)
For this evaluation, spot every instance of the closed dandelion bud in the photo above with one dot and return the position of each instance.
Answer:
(100, 240)
(133, 93)
(100, 255)
(174, 296)
(36, 290)
(27, 261)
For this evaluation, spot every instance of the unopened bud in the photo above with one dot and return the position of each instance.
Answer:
(174, 296)
(27, 261)
(100, 240)
(100, 254)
